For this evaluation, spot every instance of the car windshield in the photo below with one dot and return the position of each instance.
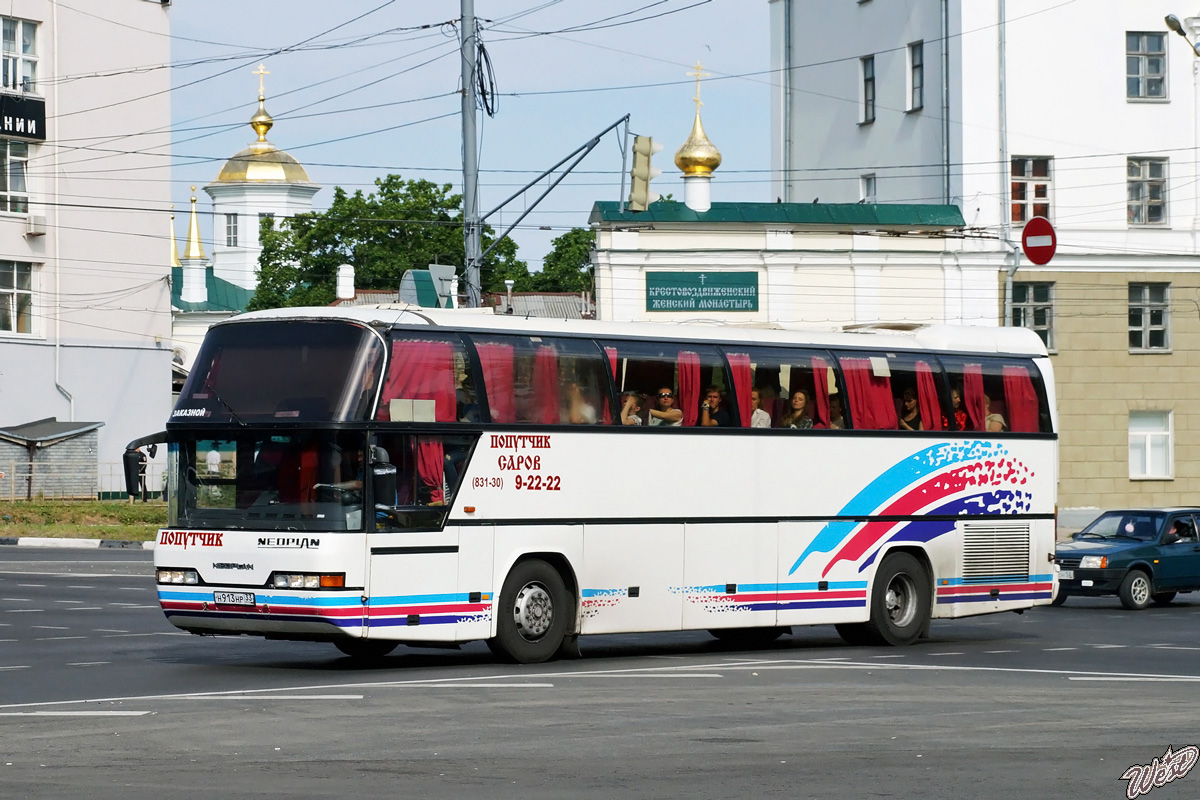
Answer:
(1142, 525)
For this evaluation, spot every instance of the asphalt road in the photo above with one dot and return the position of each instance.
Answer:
(101, 698)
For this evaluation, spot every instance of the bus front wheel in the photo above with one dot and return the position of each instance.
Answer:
(534, 613)
(899, 600)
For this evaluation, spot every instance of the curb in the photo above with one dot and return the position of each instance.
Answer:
(42, 541)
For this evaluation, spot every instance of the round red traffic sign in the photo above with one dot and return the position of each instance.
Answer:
(1038, 240)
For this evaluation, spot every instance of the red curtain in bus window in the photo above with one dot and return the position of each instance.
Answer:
(927, 398)
(870, 396)
(496, 360)
(606, 416)
(821, 384)
(544, 406)
(689, 386)
(973, 395)
(739, 365)
(423, 371)
(1022, 400)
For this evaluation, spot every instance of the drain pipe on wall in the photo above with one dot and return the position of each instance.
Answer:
(1013, 257)
(57, 227)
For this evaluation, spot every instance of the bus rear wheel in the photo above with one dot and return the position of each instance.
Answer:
(899, 601)
(365, 649)
(534, 614)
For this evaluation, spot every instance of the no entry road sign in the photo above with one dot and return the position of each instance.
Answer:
(1038, 240)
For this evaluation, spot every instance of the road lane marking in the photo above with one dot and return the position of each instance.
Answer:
(284, 697)
(81, 587)
(51, 627)
(999, 651)
(58, 638)
(944, 654)
(74, 713)
(88, 663)
(498, 685)
(1137, 679)
(31, 586)
(1106, 646)
(70, 602)
(1172, 647)
(888, 656)
(86, 608)
(5, 669)
(132, 589)
(24, 611)
(108, 630)
(1057, 649)
(665, 675)
(16, 599)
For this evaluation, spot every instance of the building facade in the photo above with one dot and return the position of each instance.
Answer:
(1086, 114)
(85, 324)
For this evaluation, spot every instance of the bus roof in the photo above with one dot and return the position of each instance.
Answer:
(905, 336)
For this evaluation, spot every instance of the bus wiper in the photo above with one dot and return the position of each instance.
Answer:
(228, 408)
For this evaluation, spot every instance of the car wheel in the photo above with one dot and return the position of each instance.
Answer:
(857, 634)
(536, 611)
(1136, 590)
(1059, 598)
(1162, 598)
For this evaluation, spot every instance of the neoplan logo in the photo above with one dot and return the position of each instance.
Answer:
(1161, 771)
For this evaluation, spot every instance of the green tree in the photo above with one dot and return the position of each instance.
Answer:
(400, 226)
(568, 266)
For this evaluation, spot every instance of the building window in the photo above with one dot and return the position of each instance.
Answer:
(1147, 183)
(1030, 188)
(268, 216)
(20, 54)
(1149, 320)
(14, 194)
(1146, 66)
(868, 89)
(1033, 308)
(916, 76)
(867, 189)
(231, 230)
(1150, 445)
(16, 297)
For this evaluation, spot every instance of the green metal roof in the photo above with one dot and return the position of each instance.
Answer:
(222, 295)
(822, 215)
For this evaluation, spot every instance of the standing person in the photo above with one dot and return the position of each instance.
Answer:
(666, 413)
(711, 413)
(758, 417)
(910, 414)
(798, 414)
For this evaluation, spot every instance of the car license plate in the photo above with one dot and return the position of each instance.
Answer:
(1066, 574)
(233, 598)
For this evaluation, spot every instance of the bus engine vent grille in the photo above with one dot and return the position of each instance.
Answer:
(995, 551)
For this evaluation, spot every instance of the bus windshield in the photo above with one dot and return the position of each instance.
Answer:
(283, 480)
(288, 371)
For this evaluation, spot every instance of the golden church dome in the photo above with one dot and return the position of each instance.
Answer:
(697, 156)
(262, 161)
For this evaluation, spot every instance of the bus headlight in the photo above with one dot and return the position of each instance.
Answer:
(185, 576)
(1093, 562)
(304, 580)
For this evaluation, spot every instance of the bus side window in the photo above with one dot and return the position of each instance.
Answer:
(672, 377)
(541, 380)
(997, 396)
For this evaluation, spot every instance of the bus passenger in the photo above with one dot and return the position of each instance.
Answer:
(960, 413)
(631, 409)
(910, 413)
(993, 423)
(666, 414)
(836, 420)
(578, 410)
(798, 415)
(711, 413)
(758, 417)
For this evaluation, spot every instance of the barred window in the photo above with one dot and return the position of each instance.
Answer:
(1147, 184)
(16, 297)
(1033, 308)
(20, 62)
(1030, 188)
(1149, 316)
(1146, 66)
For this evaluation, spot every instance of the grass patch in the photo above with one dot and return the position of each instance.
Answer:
(83, 519)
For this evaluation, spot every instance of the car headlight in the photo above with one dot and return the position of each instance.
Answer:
(1093, 562)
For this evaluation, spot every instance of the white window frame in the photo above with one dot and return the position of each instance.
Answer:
(1146, 191)
(1025, 182)
(866, 68)
(1139, 63)
(14, 171)
(231, 230)
(916, 76)
(1140, 462)
(868, 187)
(18, 55)
(11, 291)
(1025, 310)
(1148, 307)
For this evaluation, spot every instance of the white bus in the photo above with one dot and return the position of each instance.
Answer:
(374, 476)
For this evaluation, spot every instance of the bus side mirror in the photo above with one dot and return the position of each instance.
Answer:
(383, 486)
(131, 460)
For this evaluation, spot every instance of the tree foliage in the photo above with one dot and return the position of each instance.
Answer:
(400, 226)
(568, 266)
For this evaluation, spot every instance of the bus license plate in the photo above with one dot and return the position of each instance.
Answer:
(233, 598)
(1066, 574)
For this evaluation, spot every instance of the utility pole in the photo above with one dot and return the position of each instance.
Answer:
(471, 222)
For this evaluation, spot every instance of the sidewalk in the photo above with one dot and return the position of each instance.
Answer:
(42, 541)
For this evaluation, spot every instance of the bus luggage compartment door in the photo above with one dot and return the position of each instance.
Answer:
(413, 590)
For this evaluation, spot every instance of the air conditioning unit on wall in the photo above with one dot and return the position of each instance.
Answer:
(35, 225)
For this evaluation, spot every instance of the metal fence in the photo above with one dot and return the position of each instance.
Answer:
(69, 479)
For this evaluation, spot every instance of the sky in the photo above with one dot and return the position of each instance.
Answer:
(365, 89)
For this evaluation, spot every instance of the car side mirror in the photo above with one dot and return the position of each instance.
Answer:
(383, 486)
